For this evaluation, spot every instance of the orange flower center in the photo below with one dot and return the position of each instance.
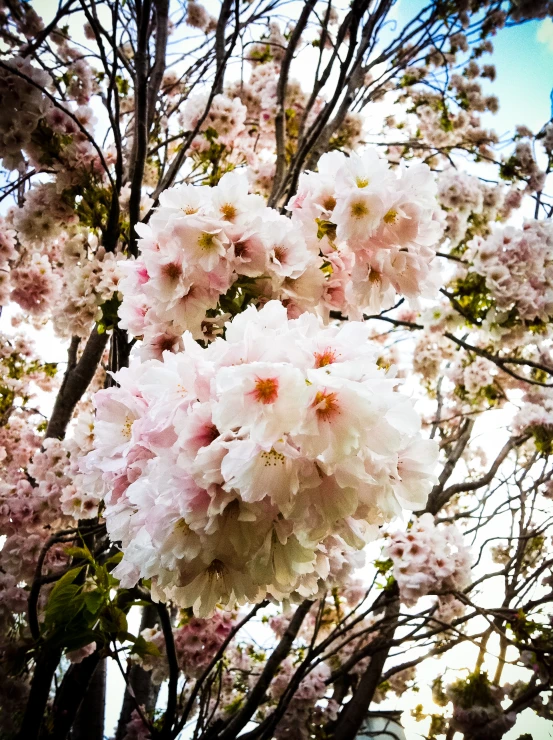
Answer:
(228, 211)
(266, 390)
(322, 359)
(326, 405)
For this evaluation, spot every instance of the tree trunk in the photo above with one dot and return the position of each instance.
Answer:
(70, 696)
(35, 711)
(89, 723)
(145, 692)
(351, 718)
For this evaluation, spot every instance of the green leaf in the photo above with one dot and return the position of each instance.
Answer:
(93, 600)
(142, 648)
(234, 705)
(76, 639)
(115, 559)
(325, 228)
(64, 602)
(82, 553)
(110, 310)
(113, 620)
(384, 566)
(102, 577)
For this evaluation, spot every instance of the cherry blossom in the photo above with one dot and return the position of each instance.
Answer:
(428, 558)
(204, 249)
(225, 468)
(389, 224)
(517, 268)
(255, 368)
(23, 105)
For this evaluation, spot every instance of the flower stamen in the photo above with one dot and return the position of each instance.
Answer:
(266, 390)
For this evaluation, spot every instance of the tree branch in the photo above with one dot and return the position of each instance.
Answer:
(75, 382)
(350, 720)
(271, 666)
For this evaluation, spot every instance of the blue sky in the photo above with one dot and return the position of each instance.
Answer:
(523, 56)
(524, 75)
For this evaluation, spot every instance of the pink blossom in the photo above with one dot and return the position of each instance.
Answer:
(255, 465)
(429, 558)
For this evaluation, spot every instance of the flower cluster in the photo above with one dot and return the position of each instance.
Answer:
(76, 501)
(50, 497)
(230, 472)
(271, 47)
(198, 17)
(477, 706)
(90, 278)
(475, 381)
(7, 255)
(32, 479)
(224, 120)
(517, 265)
(259, 95)
(238, 126)
(547, 140)
(302, 712)
(43, 217)
(136, 729)
(33, 483)
(51, 136)
(207, 251)
(70, 264)
(431, 351)
(535, 416)
(358, 235)
(522, 163)
(30, 495)
(197, 642)
(22, 373)
(35, 284)
(471, 205)
(428, 558)
(444, 123)
(376, 228)
(22, 105)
